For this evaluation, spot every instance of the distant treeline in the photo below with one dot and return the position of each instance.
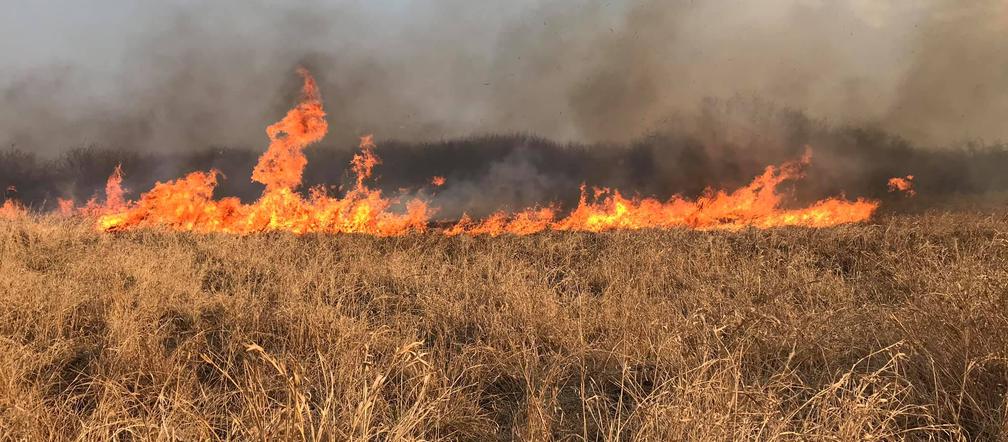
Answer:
(513, 171)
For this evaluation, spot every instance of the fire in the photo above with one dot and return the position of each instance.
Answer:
(904, 185)
(114, 191)
(12, 210)
(66, 206)
(755, 205)
(115, 199)
(283, 163)
(188, 204)
(363, 163)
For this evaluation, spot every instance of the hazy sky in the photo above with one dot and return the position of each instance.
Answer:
(183, 74)
(97, 35)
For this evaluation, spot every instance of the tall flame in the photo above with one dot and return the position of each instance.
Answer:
(284, 162)
(187, 204)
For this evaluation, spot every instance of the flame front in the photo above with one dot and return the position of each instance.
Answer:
(755, 205)
(187, 204)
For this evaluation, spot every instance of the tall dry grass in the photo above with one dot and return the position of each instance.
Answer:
(888, 331)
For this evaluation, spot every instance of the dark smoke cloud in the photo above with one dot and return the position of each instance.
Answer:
(490, 173)
(191, 75)
(656, 98)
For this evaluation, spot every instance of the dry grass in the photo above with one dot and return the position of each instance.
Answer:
(888, 331)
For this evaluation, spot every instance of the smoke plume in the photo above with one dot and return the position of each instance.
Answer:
(187, 75)
(655, 97)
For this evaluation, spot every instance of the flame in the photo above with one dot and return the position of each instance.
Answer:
(284, 162)
(364, 162)
(115, 199)
(188, 204)
(12, 209)
(904, 185)
(66, 206)
(114, 191)
(755, 205)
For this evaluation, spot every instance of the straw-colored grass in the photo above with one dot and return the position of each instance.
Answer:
(897, 330)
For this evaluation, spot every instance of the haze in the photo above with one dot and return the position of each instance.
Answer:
(185, 75)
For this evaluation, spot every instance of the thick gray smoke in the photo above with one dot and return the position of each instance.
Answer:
(182, 75)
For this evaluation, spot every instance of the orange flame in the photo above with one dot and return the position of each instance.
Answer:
(283, 163)
(756, 205)
(66, 206)
(438, 181)
(904, 185)
(12, 209)
(187, 204)
(115, 199)
(114, 191)
(364, 162)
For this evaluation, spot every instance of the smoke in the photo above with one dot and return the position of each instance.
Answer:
(958, 76)
(490, 173)
(183, 75)
(653, 97)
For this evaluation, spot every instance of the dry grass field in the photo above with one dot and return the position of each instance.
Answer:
(894, 330)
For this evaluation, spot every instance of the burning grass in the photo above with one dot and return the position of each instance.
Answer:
(891, 330)
(188, 204)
